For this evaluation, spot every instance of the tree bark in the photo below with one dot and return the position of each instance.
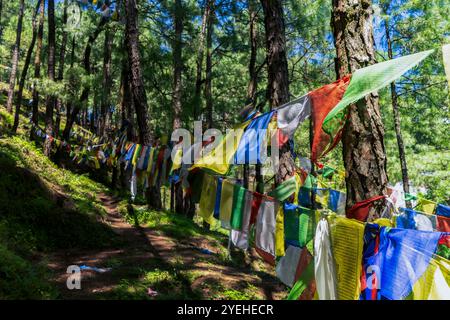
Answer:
(105, 114)
(15, 59)
(87, 67)
(72, 89)
(363, 146)
(62, 55)
(137, 83)
(138, 90)
(37, 68)
(208, 69)
(398, 133)
(26, 67)
(126, 106)
(1, 25)
(277, 69)
(200, 53)
(177, 45)
(177, 65)
(50, 104)
(252, 87)
(253, 42)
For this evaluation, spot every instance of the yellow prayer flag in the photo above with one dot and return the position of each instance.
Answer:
(426, 206)
(220, 158)
(383, 222)
(279, 232)
(226, 203)
(322, 195)
(176, 163)
(137, 152)
(208, 198)
(347, 243)
(434, 284)
(150, 160)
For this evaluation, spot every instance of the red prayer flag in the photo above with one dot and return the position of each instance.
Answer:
(323, 100)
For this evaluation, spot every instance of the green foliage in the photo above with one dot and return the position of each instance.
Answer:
(44, 218)
(22, 279)
(37, 215)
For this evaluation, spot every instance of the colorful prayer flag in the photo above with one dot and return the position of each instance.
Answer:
(240, 238)
(221, 157)
(253, 143)
(403, 257)
(207, 200)
(265, 231)
(363, 82)
(226, 204)
(446, 58)
(442, 210)
(347, 246)
(323, 100)
(238, 207)
(291, 115)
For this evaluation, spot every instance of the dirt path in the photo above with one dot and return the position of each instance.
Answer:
(142, 248)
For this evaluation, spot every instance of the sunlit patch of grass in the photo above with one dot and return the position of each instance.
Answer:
(42, 208)
(82, 190)
(21, 279)
(250, 292)
(169, 285)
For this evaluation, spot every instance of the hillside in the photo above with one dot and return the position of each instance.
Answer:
(52, 218)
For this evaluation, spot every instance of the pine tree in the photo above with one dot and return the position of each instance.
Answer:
(15, 58)
(50, 104)
(363, 135)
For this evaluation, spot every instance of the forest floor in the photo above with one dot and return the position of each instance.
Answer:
(149, 258)
(51, 218)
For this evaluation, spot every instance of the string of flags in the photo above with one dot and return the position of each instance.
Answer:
(319, 248)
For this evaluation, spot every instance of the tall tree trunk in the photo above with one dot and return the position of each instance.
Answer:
(37, 68)
(1, 24)
(137, 88)
(208, 70)
(137, 82)
(363, 146)
(177, 45)
(398, 133)
(94, 115)
(69, 104)
(127, 104)
(104, 119)
(50, 104)
(62, 56)
(15, 59)
(200, 53)
(253, 42)
(277, 69)
(26, 67)
(126, 108)
(252, 87)
(85, 93)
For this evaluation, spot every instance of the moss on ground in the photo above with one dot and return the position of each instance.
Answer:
(42, 208)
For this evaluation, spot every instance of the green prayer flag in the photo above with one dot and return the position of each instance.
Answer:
(238, 207)
(306, 226)
(310, 182)
(367, 80)
(302, 283)
(284, 190)
(327, 171)
(410, 197)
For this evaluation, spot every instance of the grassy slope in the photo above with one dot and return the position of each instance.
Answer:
(42, 208)
(177, 278)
